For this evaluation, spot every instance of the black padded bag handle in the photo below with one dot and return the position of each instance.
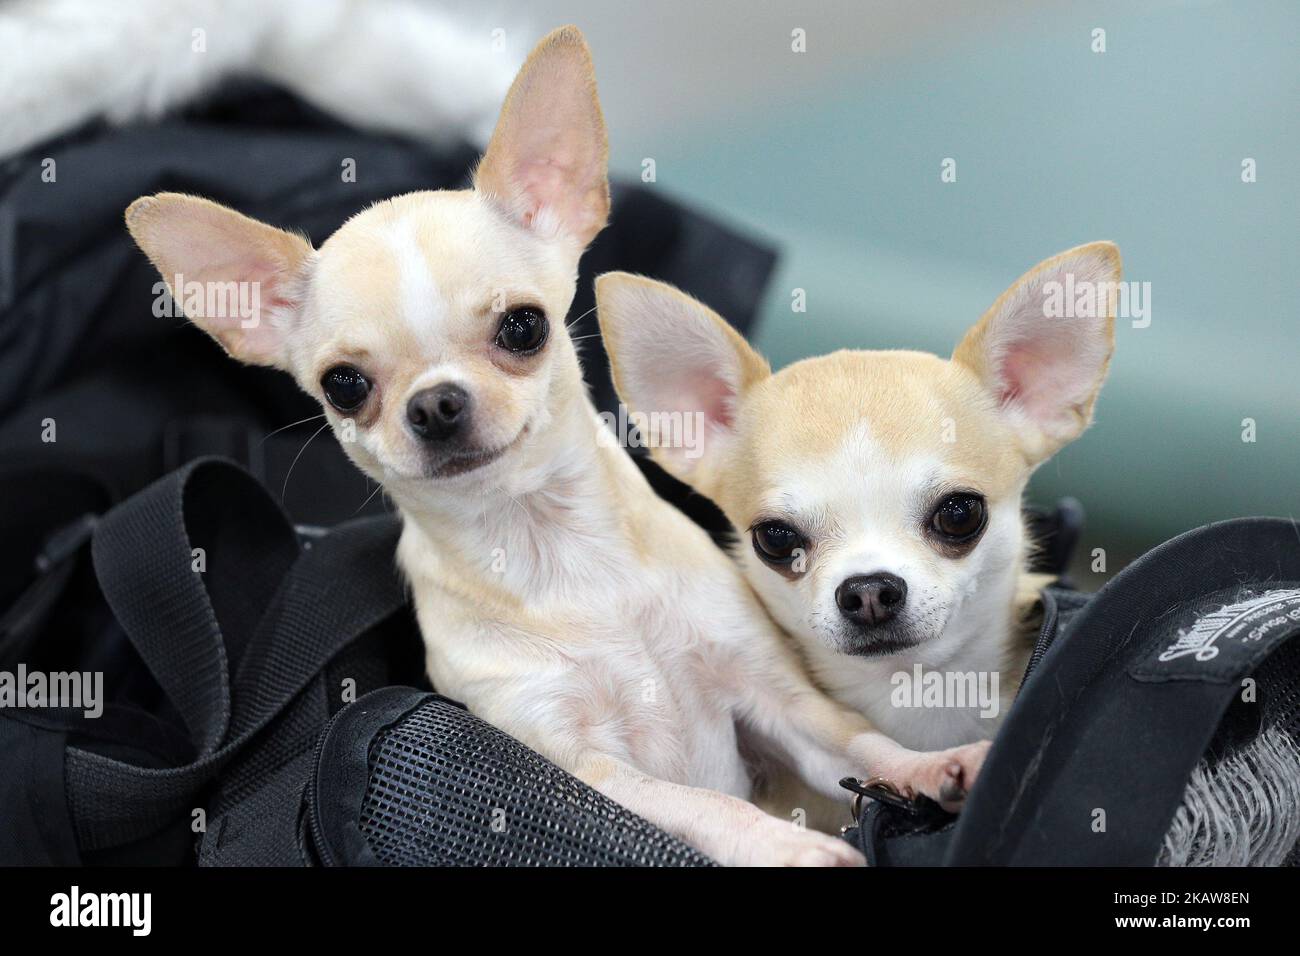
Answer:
(1117, 716)
(408, 778)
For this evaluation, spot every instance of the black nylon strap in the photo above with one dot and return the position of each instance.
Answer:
(143, 555)
(340, 588)
(144, 560)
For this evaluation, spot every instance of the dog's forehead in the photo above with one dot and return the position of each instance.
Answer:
(421, 263)
(858, 483)
(849, 425)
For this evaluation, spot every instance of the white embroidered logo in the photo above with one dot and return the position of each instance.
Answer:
(1260, 615)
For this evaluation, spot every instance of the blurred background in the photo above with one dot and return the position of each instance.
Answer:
(834, 156)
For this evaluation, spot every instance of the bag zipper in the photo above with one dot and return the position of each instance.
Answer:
(313, 793)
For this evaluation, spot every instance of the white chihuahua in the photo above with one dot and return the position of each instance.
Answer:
(881, 491)
(557, 595)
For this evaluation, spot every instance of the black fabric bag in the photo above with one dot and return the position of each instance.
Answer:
(1189, 655)
(252, 712)
(233, 722)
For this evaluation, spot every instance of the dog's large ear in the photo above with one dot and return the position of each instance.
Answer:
(238, 279)
(1043, 348)
(546, 163)
(678, 365)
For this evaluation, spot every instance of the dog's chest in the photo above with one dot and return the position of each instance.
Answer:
(648, 675)
(650, 686)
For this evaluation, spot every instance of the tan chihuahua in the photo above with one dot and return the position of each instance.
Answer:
(881, 491)
(558, 597)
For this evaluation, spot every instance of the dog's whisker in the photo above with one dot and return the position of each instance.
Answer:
(573, 322)
(292, 425)
(294, 463)
(518, 503)
(378, 489)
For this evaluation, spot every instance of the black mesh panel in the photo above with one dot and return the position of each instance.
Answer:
(447, 789)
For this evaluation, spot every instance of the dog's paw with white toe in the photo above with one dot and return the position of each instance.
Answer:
(775, 842)
(945, 776)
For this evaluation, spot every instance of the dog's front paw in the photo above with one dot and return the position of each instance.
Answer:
(945, 776)
(775, 842)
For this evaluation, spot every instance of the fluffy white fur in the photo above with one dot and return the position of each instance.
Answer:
(1240, 811)
(390, 65)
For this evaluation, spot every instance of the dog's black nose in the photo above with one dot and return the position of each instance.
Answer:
(870, 599)
(438, 413)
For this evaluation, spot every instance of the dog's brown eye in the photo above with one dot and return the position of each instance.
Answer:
(776, 542)
(522, 330)
(959, 517)
(345, 387)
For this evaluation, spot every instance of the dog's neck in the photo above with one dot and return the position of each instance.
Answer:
(551, 530)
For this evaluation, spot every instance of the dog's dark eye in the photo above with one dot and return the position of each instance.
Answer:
(345, 387)
(522, 330)
(776, 542)
(959, 517)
